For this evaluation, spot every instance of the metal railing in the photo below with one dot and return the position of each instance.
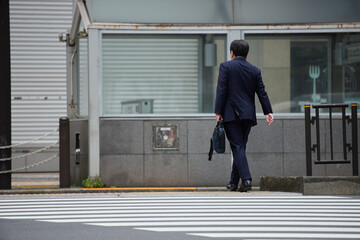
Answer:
(9, 147)
(64, 153)
(353, 146)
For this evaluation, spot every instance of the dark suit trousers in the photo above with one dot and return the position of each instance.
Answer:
(237, 133)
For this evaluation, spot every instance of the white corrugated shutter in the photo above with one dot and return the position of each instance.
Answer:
(158, 69)
(38, 66)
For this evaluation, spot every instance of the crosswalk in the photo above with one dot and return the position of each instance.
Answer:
(232, 216)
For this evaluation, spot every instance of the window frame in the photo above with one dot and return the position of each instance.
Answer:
(231, 33)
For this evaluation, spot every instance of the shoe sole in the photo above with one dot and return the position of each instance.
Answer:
(245, 189)
(232, 189)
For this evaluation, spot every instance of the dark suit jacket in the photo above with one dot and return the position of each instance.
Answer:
(235, 94)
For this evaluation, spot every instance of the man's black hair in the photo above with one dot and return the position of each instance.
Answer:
(239, 48)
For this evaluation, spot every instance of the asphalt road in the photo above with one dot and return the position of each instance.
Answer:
(181, 215)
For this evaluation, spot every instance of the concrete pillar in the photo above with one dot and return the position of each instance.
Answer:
(94, 59)
(233, 35)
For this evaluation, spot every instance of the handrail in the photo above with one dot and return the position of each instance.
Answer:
(346, 146)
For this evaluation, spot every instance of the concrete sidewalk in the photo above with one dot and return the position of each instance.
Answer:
(48, 183)
(34, 180)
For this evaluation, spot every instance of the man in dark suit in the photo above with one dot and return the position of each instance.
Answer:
(235, 104)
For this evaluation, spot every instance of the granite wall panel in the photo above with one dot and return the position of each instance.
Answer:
(202, 172)
(165, 170)
(122, 170)
(121, 137)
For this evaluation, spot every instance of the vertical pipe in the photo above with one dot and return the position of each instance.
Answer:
(354, 133)
(5, 94)
(94, 68)
(308, 141)
(317, 133)
(64, 151)
(69, 76)
(331, 135)
(343, 119)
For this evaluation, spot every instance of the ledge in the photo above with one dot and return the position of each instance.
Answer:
(312, 185)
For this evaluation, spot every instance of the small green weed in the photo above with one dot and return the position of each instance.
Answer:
(93, 182)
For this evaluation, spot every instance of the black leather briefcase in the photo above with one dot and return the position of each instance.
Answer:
(217, 142)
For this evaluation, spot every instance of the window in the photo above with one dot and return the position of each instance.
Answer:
(307, 68)
(160, 74)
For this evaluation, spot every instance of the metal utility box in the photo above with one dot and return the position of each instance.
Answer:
(137, 106)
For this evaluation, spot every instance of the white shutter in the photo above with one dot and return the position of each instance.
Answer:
(160, 68)
(38, 67)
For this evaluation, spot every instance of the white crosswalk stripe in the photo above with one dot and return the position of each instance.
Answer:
(243, 216)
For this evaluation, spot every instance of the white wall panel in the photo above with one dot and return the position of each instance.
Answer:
(38, 67)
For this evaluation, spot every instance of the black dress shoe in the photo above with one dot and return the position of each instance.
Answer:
(232, 187)
(245, 186)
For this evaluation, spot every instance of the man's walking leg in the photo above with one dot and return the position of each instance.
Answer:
(237, 133)
(246, 175)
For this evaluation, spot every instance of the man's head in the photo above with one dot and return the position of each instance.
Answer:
(239, 48)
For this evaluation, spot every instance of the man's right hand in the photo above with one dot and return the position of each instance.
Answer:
(270, 118)
(218, 117)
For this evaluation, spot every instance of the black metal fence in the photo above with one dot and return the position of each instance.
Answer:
(353, 146)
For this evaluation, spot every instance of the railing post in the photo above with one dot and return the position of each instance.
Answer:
(343, 120)
(317, 117)
(308, 140)
(64, 152)
(354, 135)
(331, 135)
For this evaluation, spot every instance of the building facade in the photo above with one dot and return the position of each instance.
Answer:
(142, 75)
(151, 69)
